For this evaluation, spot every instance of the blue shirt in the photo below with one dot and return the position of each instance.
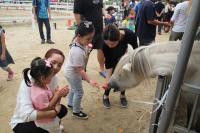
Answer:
(137, 8)
(132, 5)
(41, 8)
(110, 21)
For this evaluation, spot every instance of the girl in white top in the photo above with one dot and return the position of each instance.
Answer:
(74, 67)
(24, 116)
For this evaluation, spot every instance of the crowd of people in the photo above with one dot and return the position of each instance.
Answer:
(151, 13)
(38, 107)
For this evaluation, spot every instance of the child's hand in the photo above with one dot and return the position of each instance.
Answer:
(94, 83)
(167, 24)
(62, 92)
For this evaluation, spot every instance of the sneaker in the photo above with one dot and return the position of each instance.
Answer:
(103, 74)
(62, 128)
(10, 76)
(42, 41)
(123, 102)
(80, 115)
(106, 102)
(50, 42)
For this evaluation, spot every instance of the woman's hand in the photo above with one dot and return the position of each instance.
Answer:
(105, 86)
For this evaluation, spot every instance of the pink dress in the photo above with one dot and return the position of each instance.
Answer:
(40, 99)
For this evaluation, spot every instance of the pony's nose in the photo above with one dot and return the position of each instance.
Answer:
(114, 85)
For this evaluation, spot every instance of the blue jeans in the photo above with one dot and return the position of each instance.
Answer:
(75, 94)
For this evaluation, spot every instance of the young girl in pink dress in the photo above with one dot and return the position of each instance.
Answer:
(42, 97)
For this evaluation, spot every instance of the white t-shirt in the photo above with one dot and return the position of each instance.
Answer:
(76, 58)
(180, 16)
(24, 110)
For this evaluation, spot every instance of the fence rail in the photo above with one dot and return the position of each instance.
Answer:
(29, 19)
(27, 6)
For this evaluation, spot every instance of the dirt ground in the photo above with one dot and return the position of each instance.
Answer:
(23, 42)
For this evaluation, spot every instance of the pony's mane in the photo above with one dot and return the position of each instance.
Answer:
(140, 64)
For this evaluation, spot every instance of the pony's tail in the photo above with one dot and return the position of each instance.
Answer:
(26, 78)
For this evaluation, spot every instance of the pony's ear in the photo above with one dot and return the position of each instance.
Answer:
(127, 67)
(129, 49)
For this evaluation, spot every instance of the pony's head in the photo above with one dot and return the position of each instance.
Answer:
(130, 70)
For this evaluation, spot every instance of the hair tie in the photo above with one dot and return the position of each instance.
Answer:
(87, 24)
(48, 63)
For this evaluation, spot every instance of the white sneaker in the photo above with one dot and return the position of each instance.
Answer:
(62, 128)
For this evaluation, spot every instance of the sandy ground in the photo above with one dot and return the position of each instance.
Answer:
(24, 44)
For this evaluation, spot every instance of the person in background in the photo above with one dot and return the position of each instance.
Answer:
(129, 22)
(111, 19)
(5, 57)
(92, 10)
(126, 6)
(137, 7)
(42, 13)
(146, 23)
(179, 20)
(136, 2)
(159, 7)
(169, 10)
(132, 4)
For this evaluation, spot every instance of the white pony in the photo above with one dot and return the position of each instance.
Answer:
(151, 61)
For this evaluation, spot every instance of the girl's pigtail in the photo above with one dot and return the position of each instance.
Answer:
(26, 78)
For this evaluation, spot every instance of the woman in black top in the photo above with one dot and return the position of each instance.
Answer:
(115, 46)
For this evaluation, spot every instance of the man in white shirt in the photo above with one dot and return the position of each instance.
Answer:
(179, 20)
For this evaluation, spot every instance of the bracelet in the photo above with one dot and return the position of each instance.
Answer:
(56, 111)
